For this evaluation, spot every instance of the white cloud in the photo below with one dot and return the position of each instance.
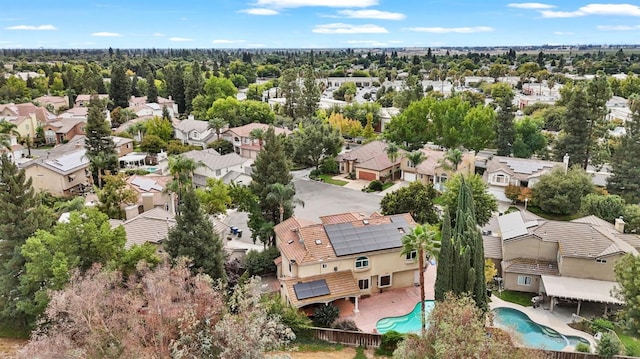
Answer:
(340, 28)
(319, 3)
(106, 34)
(158, 34)
(180, 39)
(564, 32)
(225, 41)
(596, 9)
(32, 27)
(260, 11)
(446, 30)
(531, 6)
(618, 27)
(372, 14)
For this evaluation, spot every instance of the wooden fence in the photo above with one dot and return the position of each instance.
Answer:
(367, 340)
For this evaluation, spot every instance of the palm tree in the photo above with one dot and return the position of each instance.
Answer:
(393, 152)
(423, 241)
(282, 195)
(217, 124)
(26, 141)
(258, 134)
(416, 158)
(98, 163)
(182, 169)
(7, 130)
(138, 128)
(452, 159)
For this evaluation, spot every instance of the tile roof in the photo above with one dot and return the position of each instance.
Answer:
(187, 126)
(151, 226)
(342, 217)
(341, 284)
(148, 184)
(308, 243)
(521, 168)
(243, 131)
(371, 156)
(213, 160)
(68, 163)
(530, 266)
(593, 220)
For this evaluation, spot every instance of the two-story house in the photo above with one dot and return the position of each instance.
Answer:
(83, 100)
(63, 130)
(243, 143)
(572, 260)
(194, 132)
(26, 116)
(370, 162)
(64, 175)
(142, 107)
(215, 165)
(433, 169)
(343, 257)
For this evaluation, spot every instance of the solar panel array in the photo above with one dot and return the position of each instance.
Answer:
(526, 166)
(313, 289)
(146, 184)
(347, 239)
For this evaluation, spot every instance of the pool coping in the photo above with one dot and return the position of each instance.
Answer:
(542, 316)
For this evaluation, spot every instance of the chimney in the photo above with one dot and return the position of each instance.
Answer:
(565, 160)
(131, 211)
(147, 201)
(619, 225)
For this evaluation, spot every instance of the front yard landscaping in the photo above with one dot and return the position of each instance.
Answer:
(327, 179)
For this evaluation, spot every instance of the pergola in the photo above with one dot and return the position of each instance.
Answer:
(579, 289)
(133, 160)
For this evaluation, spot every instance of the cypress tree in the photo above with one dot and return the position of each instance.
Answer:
(625, 162)
(152, 90)
(574, 137)
(444, 281)
(193, 237)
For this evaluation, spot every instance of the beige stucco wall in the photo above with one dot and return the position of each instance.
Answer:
(588, 268)
(52, 182)
(510, 281)
(529, 247)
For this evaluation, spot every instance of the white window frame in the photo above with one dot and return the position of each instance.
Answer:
(364, 284)
(601, 260)
(501, 178)
(525, 280)
(380, 285)
(411, 256)
(361, 263)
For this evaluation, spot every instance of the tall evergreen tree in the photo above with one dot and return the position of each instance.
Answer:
(444, 281)
(175, 85)
(625, 162)
(193, 237)
(505, 127)
(290, 90)
(99, 144)
(193, 83)
(20, 218)
(598, 93)
(152, 89)
(309, 95)
(120, 89)
(574, 136)
(463, 271)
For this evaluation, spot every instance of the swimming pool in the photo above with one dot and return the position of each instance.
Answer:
(408, 323)
(530, 333)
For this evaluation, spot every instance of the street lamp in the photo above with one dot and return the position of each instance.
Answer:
(526, 200)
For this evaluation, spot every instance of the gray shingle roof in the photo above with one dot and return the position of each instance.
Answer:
(213, 160)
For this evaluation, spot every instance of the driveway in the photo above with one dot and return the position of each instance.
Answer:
(320, 199)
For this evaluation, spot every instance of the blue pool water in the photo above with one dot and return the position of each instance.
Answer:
(530, 333)
(408, 323)
(151, 169)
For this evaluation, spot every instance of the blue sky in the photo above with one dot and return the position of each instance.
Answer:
(313, 23)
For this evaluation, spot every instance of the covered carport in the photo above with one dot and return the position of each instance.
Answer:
(582, 290)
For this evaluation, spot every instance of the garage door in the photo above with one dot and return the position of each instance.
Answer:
(367, 176)
(409, 176)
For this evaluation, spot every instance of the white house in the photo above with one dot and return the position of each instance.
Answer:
(214, 165)
(194, 132)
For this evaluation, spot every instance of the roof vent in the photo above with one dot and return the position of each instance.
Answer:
(290, 241)
(294, 229)
(318, 242)
(365, 221)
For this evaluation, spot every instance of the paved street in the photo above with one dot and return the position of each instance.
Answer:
(320, 199)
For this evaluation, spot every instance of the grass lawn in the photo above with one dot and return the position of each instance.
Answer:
(387, 185)
(328, 179)
(522, 298)
(631, 343)
(557, 217)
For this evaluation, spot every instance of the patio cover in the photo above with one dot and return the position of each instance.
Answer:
(340, 284)
(580, 289)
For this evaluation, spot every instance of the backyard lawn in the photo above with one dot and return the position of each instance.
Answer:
(328, 179)
(522, 298)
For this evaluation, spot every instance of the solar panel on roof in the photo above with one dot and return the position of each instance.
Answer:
(347, 239)
(313, 289)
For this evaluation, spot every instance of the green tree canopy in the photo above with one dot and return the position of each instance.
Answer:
(558, 192)
(115, 195)
(625, 162)
(315, 141)
(214, 197)
(415, 199)
(607, 207)
(484, 202)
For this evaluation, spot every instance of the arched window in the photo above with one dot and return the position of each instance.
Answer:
(362, 262)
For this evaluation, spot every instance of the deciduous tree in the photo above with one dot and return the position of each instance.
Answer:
(415, 199)
(558, 192)
(315, 141)
(115, 195)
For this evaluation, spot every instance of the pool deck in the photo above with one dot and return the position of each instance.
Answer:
(392, 303)
(556, 320)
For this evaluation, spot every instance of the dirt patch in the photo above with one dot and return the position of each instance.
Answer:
(9, 346)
